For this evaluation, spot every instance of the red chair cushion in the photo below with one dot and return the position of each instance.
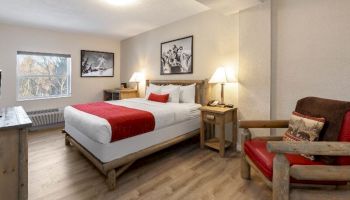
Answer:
(162, 98)
(344, 136)
(263, 159)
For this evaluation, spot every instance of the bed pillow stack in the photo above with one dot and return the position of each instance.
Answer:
(177, 94)
(173, 91)
(152, 89)
(188, 93)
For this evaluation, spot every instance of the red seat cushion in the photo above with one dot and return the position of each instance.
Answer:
(257, 152)
(344, 136)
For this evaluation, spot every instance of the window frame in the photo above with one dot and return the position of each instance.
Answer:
(69, 76)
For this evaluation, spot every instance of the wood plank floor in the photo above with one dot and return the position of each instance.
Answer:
(183, 171)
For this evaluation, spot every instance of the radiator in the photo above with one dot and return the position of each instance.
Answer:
(46, 118)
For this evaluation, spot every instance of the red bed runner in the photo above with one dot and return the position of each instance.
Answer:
(125, 122)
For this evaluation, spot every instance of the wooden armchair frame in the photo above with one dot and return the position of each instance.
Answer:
(282, 171)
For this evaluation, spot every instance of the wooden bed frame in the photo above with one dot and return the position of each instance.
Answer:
(116, 167)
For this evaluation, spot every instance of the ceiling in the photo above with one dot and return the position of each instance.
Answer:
(98, 16)
(229, 7)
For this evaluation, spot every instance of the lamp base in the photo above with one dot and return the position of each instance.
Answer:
(222, 94)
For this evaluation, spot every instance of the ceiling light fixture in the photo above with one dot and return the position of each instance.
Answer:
(121, 2)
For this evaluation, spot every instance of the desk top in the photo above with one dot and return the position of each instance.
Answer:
(14, 117)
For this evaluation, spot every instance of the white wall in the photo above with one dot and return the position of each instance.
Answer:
(16, 38)
(255, 64)
(215, 45)
(312, 52)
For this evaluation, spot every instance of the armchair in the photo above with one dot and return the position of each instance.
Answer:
(280, 164)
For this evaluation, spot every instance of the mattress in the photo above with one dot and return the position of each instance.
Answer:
(111, 151)
(99, 130)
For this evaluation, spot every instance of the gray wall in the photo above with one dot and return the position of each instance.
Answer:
(15, 38)
(215, 44)
(307, 42)
(311, 43)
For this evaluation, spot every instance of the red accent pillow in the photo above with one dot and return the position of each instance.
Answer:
(163, 98)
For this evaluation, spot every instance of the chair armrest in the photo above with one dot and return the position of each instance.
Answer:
(313, 148)
(263, 124)
(320, 172)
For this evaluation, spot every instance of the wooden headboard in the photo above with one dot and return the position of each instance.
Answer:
(201, 87)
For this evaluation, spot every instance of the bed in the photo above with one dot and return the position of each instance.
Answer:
(174, 123)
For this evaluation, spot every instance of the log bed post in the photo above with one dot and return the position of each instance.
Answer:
(66, 140)
(245, 167)
(111, 179)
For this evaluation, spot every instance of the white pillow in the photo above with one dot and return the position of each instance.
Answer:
(173, 91)
(153, 89)
(188, 93)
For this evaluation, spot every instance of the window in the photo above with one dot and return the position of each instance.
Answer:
(43, 75)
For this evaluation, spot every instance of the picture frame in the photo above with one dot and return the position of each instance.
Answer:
(96, 64)
(176, 56)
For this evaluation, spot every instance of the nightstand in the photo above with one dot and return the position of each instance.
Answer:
(217, 116)
(118, 94)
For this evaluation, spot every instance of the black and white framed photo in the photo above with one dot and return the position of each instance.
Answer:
(97, 64)
(177, 56)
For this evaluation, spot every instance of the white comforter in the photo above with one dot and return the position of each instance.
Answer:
(99, 130)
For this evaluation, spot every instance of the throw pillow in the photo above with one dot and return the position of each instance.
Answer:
(162, 98)
(304, 128)
(173, 91)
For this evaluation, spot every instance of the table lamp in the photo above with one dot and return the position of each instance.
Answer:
(137, 77)
(223, 76)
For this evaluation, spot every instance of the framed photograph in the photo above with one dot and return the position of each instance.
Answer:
(97, 64)
(177, 56)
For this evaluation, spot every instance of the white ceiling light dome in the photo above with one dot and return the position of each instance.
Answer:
(121, 2)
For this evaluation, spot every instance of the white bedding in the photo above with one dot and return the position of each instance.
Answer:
(111, 151)
(99, 130)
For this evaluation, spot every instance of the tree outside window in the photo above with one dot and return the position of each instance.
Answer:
(43, 75)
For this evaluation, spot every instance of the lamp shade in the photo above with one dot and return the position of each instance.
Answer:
(137, 77)
(223, 75)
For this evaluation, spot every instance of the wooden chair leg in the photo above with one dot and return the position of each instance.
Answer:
(245, 167)
(280, 181)
(111, 179)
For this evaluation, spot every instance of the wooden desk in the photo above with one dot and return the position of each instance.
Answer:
(118, 94)
(14, 125)
(217, 116)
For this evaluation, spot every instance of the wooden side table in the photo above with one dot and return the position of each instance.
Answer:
(118, 94)
(217, 116)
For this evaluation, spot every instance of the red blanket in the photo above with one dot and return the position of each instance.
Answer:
(125, 122)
